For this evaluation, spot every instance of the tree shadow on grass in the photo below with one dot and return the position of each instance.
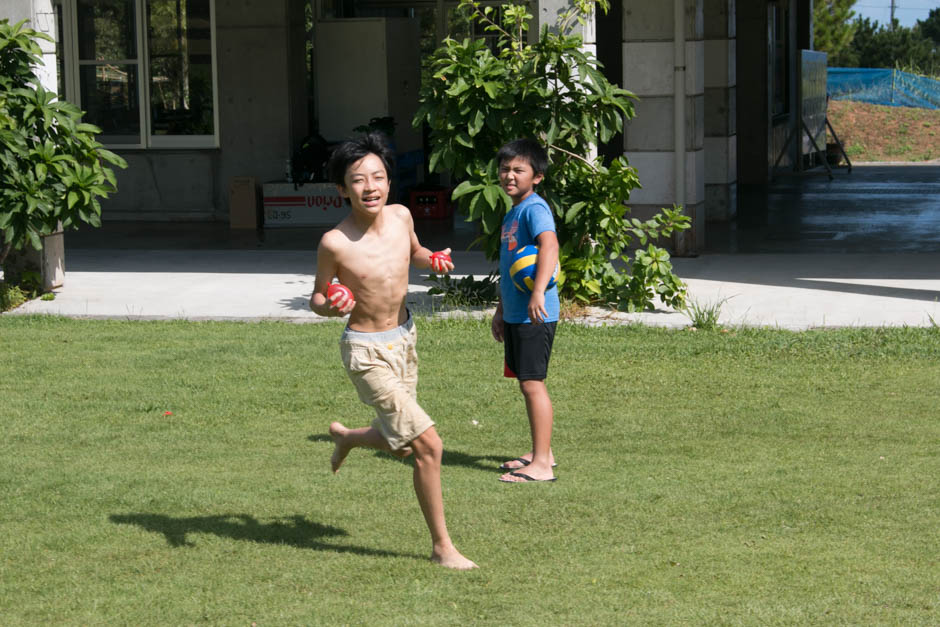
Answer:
(450, 458)
(294, 531)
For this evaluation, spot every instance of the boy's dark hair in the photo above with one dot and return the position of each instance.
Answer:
(528, 149)
(352, 150)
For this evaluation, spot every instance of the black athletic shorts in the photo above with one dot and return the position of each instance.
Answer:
(528, 348)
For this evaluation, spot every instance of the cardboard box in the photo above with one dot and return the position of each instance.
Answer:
(243, 203)
(310, 204)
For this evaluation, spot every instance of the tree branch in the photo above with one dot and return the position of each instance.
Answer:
(571, 154)
(483, 17)
(5, 251)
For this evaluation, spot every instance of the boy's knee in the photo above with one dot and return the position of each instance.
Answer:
(531, 386)
(428, 445)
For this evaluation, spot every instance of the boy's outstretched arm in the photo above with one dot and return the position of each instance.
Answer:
(326, 270)
(547, 260)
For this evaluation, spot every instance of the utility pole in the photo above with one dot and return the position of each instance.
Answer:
(893, 6)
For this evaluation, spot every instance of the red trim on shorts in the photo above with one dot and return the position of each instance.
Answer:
(509, 374)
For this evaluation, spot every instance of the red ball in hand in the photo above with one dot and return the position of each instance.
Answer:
(439, 261)
(339, 294)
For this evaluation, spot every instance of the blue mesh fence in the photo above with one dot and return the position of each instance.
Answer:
(883, 87)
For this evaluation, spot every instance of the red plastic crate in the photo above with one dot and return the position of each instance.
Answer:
(431, 203)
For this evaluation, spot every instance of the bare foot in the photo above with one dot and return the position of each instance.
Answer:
(515, 464)
(521, 462)
(451, 558)
(338, 433)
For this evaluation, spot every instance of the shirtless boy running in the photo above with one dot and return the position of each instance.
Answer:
(370, 252)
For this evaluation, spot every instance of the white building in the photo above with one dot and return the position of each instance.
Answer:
(194, 93)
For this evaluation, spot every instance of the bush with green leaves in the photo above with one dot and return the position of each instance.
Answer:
(552, 90)
(52, 171)
(11, 296)
(27, 287)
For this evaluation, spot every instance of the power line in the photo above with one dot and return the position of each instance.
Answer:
(879, 10)
(881, 6)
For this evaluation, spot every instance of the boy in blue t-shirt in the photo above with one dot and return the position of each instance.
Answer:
(525, 323)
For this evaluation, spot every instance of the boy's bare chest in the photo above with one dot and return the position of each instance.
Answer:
(378, 257)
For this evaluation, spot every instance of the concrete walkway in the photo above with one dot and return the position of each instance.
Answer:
(788, 291)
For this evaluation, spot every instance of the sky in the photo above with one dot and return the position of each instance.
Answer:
(907, 12)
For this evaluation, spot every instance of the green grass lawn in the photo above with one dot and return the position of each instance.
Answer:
(178, 473)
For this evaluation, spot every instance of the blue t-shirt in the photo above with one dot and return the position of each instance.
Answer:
(520, 228)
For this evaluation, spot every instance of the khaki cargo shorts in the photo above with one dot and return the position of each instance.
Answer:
(384, 368)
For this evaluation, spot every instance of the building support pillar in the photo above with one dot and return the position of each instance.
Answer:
(721, 164)
(663, 54)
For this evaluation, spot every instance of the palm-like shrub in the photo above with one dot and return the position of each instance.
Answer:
(52, 171)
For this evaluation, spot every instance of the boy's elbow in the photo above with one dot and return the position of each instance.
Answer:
(317, 304)
(551, 249)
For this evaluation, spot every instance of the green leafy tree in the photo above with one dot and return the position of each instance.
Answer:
(877, 46)
(865, 30)
(487, 91)
(51, 168)
(833, 29)
(930, 28)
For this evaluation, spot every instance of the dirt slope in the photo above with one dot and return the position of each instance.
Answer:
(879, 133)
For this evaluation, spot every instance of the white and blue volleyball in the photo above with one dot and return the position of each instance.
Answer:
(522, 269)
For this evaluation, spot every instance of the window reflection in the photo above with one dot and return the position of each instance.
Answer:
(106, 30)
(109, 96)
(108, 68)
(180, 46)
